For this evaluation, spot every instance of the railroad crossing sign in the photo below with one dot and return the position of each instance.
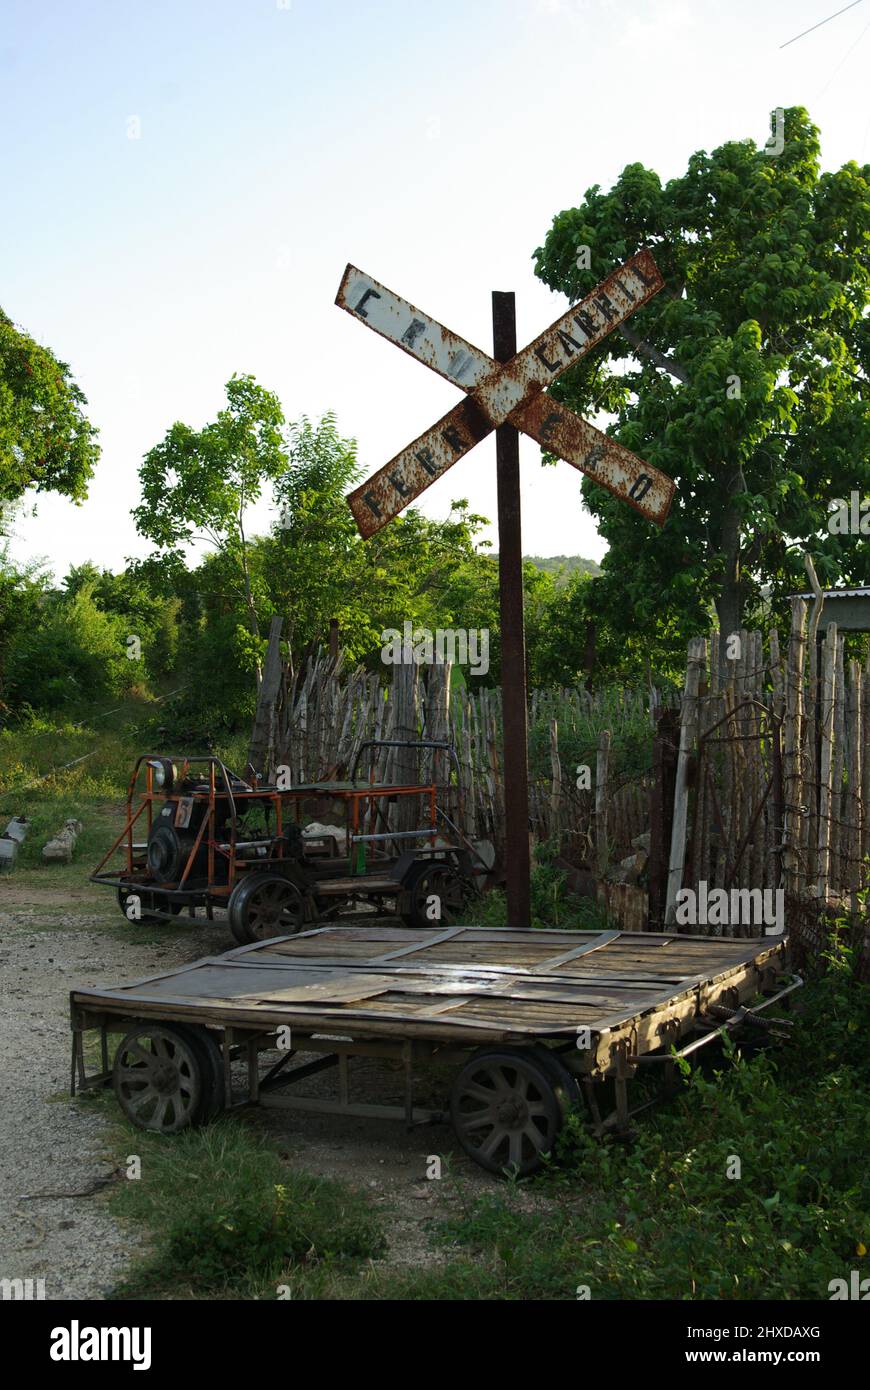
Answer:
(512, 392)
(506, 394)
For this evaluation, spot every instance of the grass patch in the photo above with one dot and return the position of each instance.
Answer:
(229, 1219)
(101, 821)
(36, 750)
(580, 726)
(35, 782)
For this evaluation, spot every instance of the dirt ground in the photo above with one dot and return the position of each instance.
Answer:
(57, 1159)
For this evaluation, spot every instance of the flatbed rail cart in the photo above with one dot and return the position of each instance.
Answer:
(533, 1021)
(208, 839)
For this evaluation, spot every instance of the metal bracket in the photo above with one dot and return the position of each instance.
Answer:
(734, 1019)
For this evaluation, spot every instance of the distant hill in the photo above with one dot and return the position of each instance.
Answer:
(564, 565)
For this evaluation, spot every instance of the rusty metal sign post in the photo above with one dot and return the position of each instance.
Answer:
(506, 393)
(513, 635)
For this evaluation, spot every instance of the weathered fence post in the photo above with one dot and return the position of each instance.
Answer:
(601, 852)
(402, 763)
(828, 725)
(838, 816)
(661, 812)
(810, 730)
(436, 725)
(792, 773)
(555, 785)
(696, 665)
(855, 816)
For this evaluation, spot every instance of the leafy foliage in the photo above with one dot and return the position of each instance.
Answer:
(198, 483)
(315, 567)
(149, 613)
(22, 591)
(745, 379)
(583, 640)
(76, 653)
(563, 567)
(46, 441)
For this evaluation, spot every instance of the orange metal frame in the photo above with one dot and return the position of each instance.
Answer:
(352, 796)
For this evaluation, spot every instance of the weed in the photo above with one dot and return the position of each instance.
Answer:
(228, 1218)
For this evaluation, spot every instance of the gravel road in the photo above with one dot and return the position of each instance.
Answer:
(56, 1156)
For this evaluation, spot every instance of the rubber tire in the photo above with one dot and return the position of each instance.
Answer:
(200, 1110)
(542, 1075)
(238, 907)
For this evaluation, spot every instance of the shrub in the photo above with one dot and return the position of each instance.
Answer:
(662, 1218)
(217, 663)
(76, 654)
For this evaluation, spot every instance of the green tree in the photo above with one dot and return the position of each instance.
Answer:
(576, 641)
(745, 379)
(198, 484)
(46, 442)
(316, 567)
(313, 557)
(22, 596)
(151, 611)
(430, 573)
(71, 653)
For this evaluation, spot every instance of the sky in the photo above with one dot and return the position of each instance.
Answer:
(185, 180)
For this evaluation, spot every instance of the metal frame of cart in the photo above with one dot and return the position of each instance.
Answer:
(320, 996)
(224, 858)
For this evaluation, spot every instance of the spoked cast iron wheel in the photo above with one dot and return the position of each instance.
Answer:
(265, 905)
(166, 1078)
(508, 1106)
(442, 881)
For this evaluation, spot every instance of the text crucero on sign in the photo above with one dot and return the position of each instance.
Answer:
(511, 392)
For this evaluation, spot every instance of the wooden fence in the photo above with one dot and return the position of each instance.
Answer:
(772, 780)
(757, 778)
(577, 799)
(779, 780)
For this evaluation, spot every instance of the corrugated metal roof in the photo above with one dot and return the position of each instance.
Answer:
(837, 593)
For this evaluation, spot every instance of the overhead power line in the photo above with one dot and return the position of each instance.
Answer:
(820, 23)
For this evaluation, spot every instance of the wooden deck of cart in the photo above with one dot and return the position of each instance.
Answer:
(564, 1008)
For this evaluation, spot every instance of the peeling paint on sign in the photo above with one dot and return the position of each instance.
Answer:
(510, 392)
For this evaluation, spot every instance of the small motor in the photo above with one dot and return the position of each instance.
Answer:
(169, 847)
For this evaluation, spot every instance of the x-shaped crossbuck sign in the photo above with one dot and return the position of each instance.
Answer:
(511, 392)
